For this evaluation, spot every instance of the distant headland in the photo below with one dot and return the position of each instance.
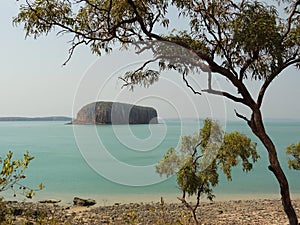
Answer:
(115, 113)
(49, 118)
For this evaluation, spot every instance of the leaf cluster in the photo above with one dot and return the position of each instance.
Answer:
(12, 171)
(98, 24)
(293, 152)
(257, 34)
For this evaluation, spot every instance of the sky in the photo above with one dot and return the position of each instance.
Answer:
(34, 82)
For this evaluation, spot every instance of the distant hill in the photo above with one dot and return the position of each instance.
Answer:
(49, 118)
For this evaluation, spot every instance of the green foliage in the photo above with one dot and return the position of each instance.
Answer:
(12, 171)
(202, 155)
(249, 35)
(98, 24)
(293, 151)
(257, 34)
(145, 78)
(236, 147)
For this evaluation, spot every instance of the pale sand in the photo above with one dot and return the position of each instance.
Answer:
(239, 212)
(106, 200)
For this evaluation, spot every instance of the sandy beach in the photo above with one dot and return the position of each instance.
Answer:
(260, 211)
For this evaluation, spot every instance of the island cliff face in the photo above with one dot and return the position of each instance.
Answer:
(115, 113)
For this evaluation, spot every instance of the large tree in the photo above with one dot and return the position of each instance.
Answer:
(235, 40)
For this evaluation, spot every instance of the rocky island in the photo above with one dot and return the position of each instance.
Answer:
(115, 113)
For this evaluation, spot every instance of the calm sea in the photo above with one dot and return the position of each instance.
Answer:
(116, 163)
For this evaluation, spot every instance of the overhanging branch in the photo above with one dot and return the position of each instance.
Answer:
(268, 81)
(189, 86)
(242, 116)
(72, 49)
(142, 24)
(225, 94)
(290, 18)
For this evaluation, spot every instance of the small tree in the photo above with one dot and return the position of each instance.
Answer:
(202, 156)
(293, 151)
(12, 171)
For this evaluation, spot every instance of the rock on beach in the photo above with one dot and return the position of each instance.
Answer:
(83, 202)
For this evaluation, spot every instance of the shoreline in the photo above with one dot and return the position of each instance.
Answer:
(111, 199)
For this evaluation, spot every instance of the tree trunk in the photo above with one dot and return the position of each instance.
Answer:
(257, 126)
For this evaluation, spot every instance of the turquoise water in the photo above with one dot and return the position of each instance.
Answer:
(107, 161)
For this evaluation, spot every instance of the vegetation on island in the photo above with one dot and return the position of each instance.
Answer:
(237, 41)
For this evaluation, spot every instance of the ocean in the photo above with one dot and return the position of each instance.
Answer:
(117, 163)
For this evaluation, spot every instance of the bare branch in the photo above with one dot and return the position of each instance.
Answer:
(147, 62)
(72, 49)
(241, 116)
(225, 94)
(190, 87)
(221, 93)
(146, 47)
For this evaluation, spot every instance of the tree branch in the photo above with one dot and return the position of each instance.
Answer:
(198, 198)
(195, 151)
(214, 67)
(72, 49)
(189, 206)
(289, 19)
(268, 81)
(246, 66)
(95, 6)
(142, 24)
(217, 38)
(189, 86)
(52, 22)
(241, 116)
(225, 94)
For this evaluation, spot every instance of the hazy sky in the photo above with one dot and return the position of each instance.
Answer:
(34, 82)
